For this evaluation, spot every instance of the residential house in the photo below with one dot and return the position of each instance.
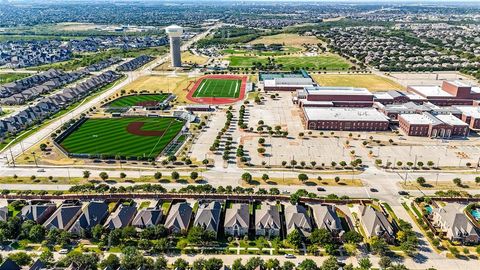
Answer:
(237, 219)
(148, 217)
(325, 217)
(375, 223)
(179, 216)
(64, 217)
(93, 213)
(457, 227)
(296, 218)
(122, 217)
(3, 213)
(8, 264)
(38, 265)
(267, 220)
(208, 216)
(38, 212)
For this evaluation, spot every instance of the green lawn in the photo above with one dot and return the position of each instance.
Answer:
(320, 62)
(222, 88)
(137, 100)
(110, 137)
(10, 77)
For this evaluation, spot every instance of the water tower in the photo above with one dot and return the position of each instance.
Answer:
(175, 33)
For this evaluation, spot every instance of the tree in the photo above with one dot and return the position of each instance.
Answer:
(21, 258)
(295, 238)
(330, 264)
(302, 177)
(265, 177)
(378, 245)
(457, 181)
(247, 177)
(287, 266)
(272, 264)
(193, 175)
(180, 264)
(213, 264)
(308, 264)
(477, 180)
(385, 262)
(46, 257)
(86, 174)
(198, 264)
(421, 181)
(294, 198)
(175, 175)
(365, 263)
(37, 233)
(157, 176)
(237, 265)
(43, 147)
(160, 264)
(353, 237)
(123, 175)
(254, 263)
(103, 176)
(321, 237)
(110, 262)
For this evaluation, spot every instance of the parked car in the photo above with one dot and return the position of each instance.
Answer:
(373, 189)
(320, 189)
(63, 251)
(41, 170)
(290, 256)
(403, 192)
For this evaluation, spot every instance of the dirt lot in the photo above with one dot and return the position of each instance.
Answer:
(157, 83)
(287, 40)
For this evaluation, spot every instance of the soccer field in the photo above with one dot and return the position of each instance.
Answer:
(218, 88)
(138, 100)
(127, 137)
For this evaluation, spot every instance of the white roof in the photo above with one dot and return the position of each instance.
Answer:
(382, 95)
(344, 114)
(318, 90)
(431, 91)
(476, 89)
(288, 82)
(419, 119)
(451, 120)
(472, 111)
(413, 96)
(459, 83)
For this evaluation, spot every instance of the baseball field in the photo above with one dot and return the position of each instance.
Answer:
(138, 100)
(222, 88)
(126, 137)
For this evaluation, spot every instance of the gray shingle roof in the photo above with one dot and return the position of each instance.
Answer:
(147, 217)
(63, 217)
(92, 214)
(375, 222)
(326, 217)
(455, 220)
(296, 218)
(38, 212)
(267, 217)
(179, 217)
(121, 218)
(238, 214)
(208, 216)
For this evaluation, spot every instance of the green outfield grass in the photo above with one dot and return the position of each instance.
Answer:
(137, 100)
(320, 62)
(220, 88)
(111, 137)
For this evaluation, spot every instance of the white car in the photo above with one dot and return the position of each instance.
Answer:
(63, 251)
(289, 256)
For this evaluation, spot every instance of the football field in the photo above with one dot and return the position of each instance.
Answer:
(218, 88)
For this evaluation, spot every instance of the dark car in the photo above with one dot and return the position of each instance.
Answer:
(320, 189)
(374, 190)
(402, 192)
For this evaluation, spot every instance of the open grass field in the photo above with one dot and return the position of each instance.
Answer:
(369, 81)
(127, 137)
(320, 62)
(287, 40)
(222, 88)
(10, 77)
(246, 52)
(157, 83)
(138, 100)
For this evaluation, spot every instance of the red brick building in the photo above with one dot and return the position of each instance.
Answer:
(470, 115)
(349, 119)
(450, 93)
(317, 96)
(434, 126)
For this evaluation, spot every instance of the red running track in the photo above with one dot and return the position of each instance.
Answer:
(215, 100)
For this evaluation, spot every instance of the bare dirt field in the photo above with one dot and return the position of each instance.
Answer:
(167, 84)
(287, 40)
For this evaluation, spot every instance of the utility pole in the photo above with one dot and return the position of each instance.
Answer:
(13, 159)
